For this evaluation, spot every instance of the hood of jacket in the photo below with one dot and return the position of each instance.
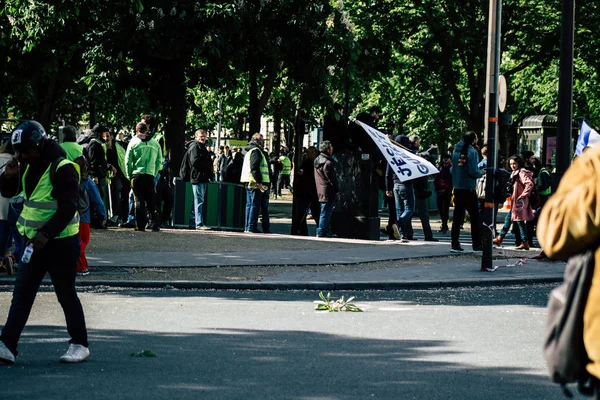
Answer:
(321, 160)
(251, 146)
(144, 137)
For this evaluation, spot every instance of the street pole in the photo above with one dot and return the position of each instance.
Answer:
(219, 127)
(493, 60)
(565, 90)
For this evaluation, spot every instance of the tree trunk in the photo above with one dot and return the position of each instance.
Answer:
(176, 117)
(46, 95)
(258, 102)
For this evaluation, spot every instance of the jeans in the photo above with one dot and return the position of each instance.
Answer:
(199, 190)
(131, 216)
(520, 224)
(283, 181)
(14, 211)
(466, 200)
(423, 213)
(145, 200)
(58, 258)
(255, 201)
(324, 228)
(303, 204)
(405, 205)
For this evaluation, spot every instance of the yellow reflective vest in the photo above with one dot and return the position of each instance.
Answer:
(41, 206)
(287, 165)
(72, 149)
(264, 168)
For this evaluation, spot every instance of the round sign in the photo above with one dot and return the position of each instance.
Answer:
(502, 94)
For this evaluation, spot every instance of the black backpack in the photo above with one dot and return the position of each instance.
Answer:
(185, 169)
(83, 199)
(564, 349)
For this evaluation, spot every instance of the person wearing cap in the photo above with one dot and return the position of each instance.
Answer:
(143, 160)
(99, 167)
(50, 223)
(73, 149)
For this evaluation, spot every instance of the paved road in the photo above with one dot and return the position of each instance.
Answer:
(480, 343)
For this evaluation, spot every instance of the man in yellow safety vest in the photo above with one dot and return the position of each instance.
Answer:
(50, 223)
(255, 173)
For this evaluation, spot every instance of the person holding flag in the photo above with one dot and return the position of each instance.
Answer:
(588, 137)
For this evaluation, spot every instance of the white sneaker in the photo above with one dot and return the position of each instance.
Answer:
(76, 353)
(6, 356)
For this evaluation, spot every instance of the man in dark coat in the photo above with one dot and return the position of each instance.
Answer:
(306, 194)
(327, 187)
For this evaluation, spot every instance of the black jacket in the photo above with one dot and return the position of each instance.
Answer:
(325, 178)
(66, 186)
(97, 158)
(200, 162)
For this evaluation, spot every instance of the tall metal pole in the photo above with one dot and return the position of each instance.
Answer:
(565, 89)
(494, 36)
(219, 127)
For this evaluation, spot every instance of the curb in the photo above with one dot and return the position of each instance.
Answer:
(373, 285)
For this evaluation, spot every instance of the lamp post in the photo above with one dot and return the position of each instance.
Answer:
(493, 71)
(565, 89)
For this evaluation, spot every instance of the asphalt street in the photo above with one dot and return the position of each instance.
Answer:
(467, 343)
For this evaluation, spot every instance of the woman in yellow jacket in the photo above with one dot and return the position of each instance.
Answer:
(570, 224)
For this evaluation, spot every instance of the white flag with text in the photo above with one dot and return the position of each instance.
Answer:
(405, 164)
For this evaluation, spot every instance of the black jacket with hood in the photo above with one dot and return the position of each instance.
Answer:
(325, 178)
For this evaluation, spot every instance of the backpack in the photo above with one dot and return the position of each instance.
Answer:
(564, 349)
(503, 187)
(535, 201)
(185, 169)
(83, 199)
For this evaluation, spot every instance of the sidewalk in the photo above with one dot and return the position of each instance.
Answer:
(231, 260)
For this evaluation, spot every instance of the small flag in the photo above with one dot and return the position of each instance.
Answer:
(588, 137)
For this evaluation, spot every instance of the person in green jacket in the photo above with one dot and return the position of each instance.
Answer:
(143, 160)
(70, 146)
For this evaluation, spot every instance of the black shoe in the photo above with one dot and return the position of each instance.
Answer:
(431, 239)
(456, 249)
(127, 225)
(478, 249)
(155, 228)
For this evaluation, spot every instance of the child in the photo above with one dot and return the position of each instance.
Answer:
(84, 216)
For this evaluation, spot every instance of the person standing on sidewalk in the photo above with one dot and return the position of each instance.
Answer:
(464, 179)
(305, 193)
(327, 187)
(283, 180)
(143, 160)
(50, 223)
(70, 145)
(201, 165)
(255, 174)
(442, 183)
(522, 183)
(403, 194)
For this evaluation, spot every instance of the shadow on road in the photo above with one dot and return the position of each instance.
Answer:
(252, 364)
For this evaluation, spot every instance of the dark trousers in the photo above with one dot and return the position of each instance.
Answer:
(443, 204)
(145, 199)
(303, 203)
(466, 200)
(164, 201)
(283, 182)
(391, 206)
(59, 259)
(423, 213)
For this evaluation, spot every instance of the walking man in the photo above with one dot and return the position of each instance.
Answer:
(143, 160)
(464, 179)
(50, 223)
(255, 173)
(327, 187)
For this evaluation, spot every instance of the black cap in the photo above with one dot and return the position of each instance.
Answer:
(99, 129)
(27, 135)
(69, 133)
